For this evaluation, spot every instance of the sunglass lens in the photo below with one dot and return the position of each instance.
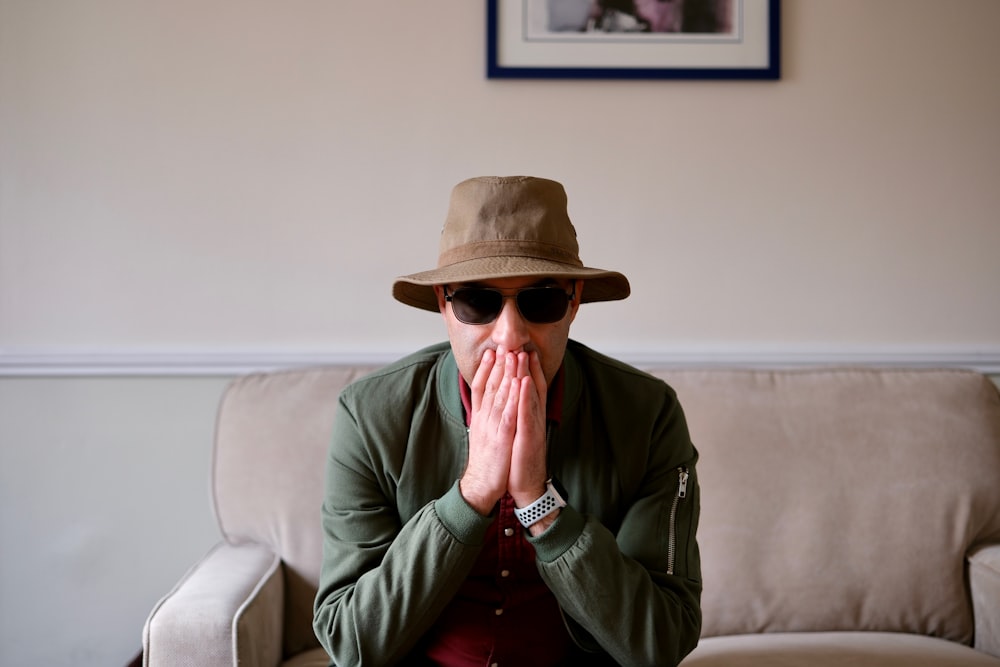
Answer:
(477, 306)
(543, 305)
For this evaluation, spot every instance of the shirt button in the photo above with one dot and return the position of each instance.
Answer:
(508, 531)
(499, 612)
(504, 573)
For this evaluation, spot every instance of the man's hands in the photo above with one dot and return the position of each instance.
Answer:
(506, 431)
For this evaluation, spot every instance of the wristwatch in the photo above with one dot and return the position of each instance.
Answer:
(553, 498)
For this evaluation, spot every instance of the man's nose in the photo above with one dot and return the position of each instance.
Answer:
(510, 328)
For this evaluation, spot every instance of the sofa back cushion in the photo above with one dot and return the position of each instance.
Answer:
(272, 436)
(842, 499)
(831, 499)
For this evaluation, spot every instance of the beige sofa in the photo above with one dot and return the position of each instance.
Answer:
(849, 517)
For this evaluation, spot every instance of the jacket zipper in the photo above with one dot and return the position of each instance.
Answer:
(682, 482)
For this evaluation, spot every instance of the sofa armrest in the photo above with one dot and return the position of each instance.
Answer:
(227, 609)
(984, 582)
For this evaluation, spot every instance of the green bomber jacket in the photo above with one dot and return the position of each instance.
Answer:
(398, 538)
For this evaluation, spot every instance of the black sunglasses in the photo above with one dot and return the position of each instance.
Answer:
(482, 305)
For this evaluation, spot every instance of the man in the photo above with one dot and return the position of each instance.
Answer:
(513, 497)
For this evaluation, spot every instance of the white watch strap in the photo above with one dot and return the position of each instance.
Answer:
(541, 508)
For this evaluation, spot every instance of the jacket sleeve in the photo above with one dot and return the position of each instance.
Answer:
(635, 595)
(383, 583)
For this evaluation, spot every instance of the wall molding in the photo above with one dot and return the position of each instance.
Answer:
(200, 363)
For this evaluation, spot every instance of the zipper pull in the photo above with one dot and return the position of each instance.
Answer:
(682, 485)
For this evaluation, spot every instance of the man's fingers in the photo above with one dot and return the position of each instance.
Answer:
(528, 408)
(523, 364)
(478, 386)
(486, 381)
(538, 376)
(508, 388)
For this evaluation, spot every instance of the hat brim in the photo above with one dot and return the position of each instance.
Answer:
(417, 289)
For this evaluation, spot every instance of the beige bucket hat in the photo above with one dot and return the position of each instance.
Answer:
(504, 227)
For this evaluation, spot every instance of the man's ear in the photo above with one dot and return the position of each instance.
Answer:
(577, 292)
(574, 305)
(439, 293)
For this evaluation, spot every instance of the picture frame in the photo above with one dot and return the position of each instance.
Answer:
(583, 39)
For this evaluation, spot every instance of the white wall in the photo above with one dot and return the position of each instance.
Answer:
(211, 177)
(104, 503)
(218, 175)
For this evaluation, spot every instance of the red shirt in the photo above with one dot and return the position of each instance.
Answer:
(503, 614)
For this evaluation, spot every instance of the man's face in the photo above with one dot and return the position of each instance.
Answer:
(509, 329)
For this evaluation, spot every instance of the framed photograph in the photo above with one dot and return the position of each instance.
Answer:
(633, 39)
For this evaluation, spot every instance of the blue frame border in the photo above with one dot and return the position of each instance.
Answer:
(771, 72)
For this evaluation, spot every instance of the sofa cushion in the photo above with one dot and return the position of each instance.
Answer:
(272, 437)
(314, 658)
(842, 499)
(835, 649)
